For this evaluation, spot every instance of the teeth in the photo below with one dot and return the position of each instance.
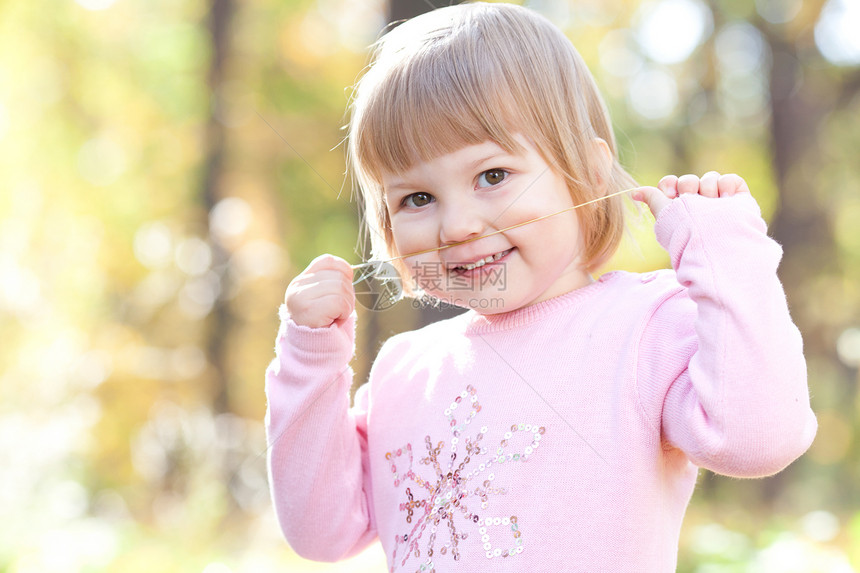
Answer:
(484, 261)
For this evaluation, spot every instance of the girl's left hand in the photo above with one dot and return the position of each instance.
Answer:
(711, 184)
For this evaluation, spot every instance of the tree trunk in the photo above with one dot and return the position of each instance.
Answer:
(220, 15)
(404, 9)
(812, 267)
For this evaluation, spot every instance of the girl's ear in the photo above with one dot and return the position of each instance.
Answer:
(600, 160)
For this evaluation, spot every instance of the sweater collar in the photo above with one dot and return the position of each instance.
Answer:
(549, 308)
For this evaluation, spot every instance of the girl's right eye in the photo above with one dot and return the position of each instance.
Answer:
(416, 200)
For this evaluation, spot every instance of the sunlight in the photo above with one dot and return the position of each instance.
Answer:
(617, 54)
(836, 32)
(95, 5)
(4, 121)
(653, 94)
(778, 11)
(848, 347)
(230, 218)
(19, 288)
(670, 30)
(101, 161)
(138, 314)
(193, 256)
(153, 245)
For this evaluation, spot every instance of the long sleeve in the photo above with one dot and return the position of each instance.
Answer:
(317, 457)
(722, 355)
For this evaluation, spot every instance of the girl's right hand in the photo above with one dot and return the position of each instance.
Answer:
(322, 294)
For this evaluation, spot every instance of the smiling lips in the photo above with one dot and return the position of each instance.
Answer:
(480, 262)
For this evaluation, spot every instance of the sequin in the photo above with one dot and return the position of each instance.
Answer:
(443, 502)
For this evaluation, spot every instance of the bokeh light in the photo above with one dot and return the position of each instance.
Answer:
(653, 93)
(836, 32)
(150, 220)
(669, 30)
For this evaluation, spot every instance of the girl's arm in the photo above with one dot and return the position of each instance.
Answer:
(722, 360)
(317, 457)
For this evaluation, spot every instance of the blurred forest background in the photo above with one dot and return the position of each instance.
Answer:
(167, 166)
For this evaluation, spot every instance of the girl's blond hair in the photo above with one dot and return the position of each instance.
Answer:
(471, 73)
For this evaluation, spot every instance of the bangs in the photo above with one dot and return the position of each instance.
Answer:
(429, 121)
(446, 95)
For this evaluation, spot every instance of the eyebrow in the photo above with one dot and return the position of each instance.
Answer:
(494, 155)
(406, 185)
(398, 186)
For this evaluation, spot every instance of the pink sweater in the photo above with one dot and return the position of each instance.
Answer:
(563, 436)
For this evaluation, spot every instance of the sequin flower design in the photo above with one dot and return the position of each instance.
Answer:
(453, 504)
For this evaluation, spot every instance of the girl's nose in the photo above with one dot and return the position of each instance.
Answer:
(460, 222)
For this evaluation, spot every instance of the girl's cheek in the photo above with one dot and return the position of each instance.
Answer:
(405, 237)
(427, 273)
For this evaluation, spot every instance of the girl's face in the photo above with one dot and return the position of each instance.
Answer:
(474, 191)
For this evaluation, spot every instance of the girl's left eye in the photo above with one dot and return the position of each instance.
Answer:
(492, 177)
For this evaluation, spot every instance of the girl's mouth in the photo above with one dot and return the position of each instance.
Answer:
(481, 262)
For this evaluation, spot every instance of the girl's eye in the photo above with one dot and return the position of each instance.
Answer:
(492, 177)
(417, 200)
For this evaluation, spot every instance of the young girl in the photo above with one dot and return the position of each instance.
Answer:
(559, 424)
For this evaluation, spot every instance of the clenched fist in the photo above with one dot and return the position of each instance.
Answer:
(322, 294)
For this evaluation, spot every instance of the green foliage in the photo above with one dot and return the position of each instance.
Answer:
(136, 320)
